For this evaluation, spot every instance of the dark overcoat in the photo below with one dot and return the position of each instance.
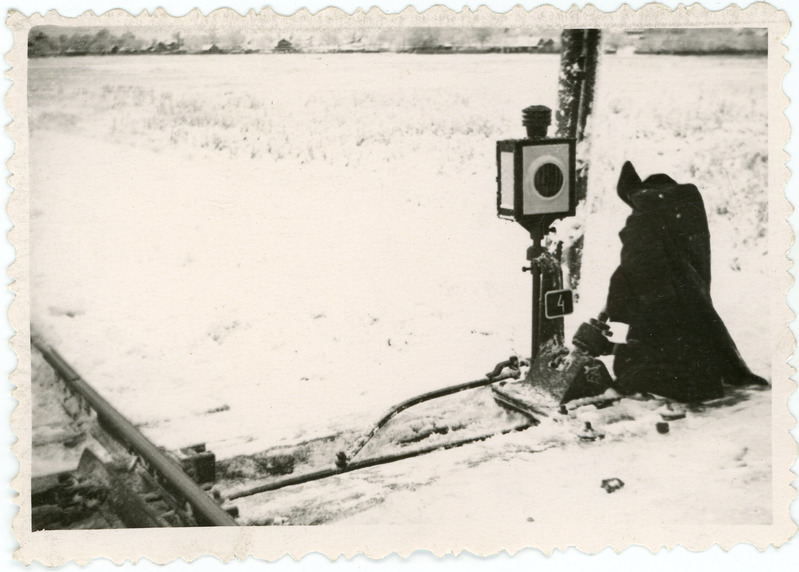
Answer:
(678, 345)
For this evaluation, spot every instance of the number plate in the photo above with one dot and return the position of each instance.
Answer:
(558, 303)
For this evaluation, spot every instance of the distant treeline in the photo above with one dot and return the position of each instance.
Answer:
(48, 41)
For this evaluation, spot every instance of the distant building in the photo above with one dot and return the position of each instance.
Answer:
(526, 44)
(690, 41)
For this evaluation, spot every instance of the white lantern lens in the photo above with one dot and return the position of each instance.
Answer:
(545, 187)
(506, 180)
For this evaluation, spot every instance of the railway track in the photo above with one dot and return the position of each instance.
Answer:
(93, 469)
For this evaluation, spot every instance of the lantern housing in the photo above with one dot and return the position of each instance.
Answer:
(535, 179)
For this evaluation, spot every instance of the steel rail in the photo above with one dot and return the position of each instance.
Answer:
(374, 461)
(205, 510)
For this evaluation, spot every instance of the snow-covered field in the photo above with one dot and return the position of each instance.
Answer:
(245, 250)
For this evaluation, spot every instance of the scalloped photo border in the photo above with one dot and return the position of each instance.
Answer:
(53, 548)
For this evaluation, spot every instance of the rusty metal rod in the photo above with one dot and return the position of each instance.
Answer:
(382, 460)
(205, 510)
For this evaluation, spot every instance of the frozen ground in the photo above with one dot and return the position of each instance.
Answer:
(246, 250)
(712, 467)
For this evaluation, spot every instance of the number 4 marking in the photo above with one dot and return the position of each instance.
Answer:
(558, 303)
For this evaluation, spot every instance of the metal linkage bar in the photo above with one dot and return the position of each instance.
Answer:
(205, 510)
(492, 377)
(374, 461)
(345, 464)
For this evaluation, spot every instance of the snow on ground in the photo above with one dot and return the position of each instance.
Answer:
(711, 467)
(248, 250)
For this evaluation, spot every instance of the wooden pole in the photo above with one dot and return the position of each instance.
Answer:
(579, 58)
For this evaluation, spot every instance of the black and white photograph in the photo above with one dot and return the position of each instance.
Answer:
(431, 273)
